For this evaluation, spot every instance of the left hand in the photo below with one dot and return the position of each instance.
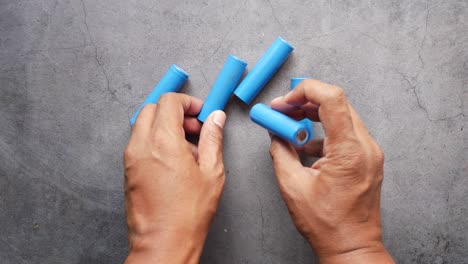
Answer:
(172, 187)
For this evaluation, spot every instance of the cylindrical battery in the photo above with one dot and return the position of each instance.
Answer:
(172, 81)
(279, 124)
(308, 122)
(223, 87)
(262, 72)
(295, 81)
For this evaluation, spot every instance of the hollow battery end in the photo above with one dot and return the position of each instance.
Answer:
(302, 136)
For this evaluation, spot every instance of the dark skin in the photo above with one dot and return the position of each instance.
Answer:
(173, 187)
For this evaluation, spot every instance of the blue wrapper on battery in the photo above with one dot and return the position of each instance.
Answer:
(262, 72)
(223, 87)
(296, 132)
(172, 81)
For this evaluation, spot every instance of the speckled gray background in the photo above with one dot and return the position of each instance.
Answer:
(72, 72)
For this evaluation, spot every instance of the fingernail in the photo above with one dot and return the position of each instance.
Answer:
(219, 118)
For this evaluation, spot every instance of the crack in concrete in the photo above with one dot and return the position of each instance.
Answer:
(420, 104)
(219, 46)
(14, 249)
(99, 63)
(29, 171)
(375, 40)
(223, 39)
(413, 87)
(323, 35)
(423, 41)
(274, 13)
(204, 77)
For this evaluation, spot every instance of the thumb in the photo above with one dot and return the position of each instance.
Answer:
(285, 159)
(210, 145)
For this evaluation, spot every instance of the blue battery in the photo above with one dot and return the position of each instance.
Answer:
(223, 87)
(172, 81)
(308, 122)
(262, 72)
(281, 125)
(296, 81)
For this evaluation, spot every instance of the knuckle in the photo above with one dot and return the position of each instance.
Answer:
(128, 153)
(147, 108)
(129, 156)
(215, 138)
(379, 179)
(215, 170)
(379, 156)
(376, 154)
(308, 83)
(311, 83)
(219, 170)
(167, 98)
(274, 147)
(144, 115)
(337, 93)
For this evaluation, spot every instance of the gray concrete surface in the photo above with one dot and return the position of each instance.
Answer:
(72, 72)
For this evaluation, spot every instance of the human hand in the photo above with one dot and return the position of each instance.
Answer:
(335, 203)
(172, 187)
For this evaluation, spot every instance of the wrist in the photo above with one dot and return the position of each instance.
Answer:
(349, 242)
(374, 253)
(166, 247)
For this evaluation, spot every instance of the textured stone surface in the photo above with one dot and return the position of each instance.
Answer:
(72, 72)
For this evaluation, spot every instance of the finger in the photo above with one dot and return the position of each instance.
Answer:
(314, 116)
(333, 109)
(297, 115)
(172, 108)
(310, 107)
(311, 111)
(210, 145)
(144, 121)
(313, 148)
(286, 161)
(308, 110)
(279, 104)
(192, 125)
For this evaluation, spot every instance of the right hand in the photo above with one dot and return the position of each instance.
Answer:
(335, 203)
(172, 187)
